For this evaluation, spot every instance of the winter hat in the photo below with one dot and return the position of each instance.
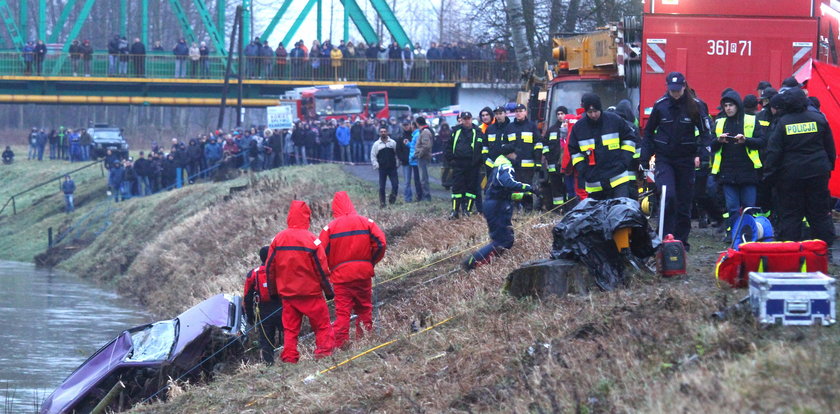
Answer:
(590, 101)
(507, 149)
(750, 102)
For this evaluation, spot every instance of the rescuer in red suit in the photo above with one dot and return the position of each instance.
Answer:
(297, 272)
(263, 311)
(353, 244)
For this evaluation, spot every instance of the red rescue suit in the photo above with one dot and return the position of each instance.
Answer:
(297, 271)
(353, 244)
(265, 315)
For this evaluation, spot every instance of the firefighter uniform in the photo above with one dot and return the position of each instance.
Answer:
(263, 311)
(677, 127)
(525, 136)
(353, 244)
(494, 137)
(463, 153)
(799, 160)
(297, 271)
(553, 150)
(602, 152)
(502, 188)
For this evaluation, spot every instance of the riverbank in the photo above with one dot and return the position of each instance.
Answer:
(651, 347)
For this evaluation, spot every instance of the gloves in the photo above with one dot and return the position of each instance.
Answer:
(329, 293)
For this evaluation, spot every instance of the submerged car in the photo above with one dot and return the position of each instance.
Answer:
(137, 364)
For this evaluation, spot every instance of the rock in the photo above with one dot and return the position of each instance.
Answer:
(546, 277)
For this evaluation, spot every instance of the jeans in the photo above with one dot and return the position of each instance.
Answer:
(357, 148)
(53, 149)
(33, 152)
(737, 197)
(123, 67)
(126, 190)
(423, 166)
(371, 71)
(180, 67)
(344, 153)
(300, 154)
(144, 185)
(68, 203)
(112, 64)
(85, 152)
(326, 151)
(407, 171)
(390, 174)
(40, 152)
(368, 147)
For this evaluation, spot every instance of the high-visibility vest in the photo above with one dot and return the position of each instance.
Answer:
(749, 129)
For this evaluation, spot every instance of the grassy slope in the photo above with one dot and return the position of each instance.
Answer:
(649, 348)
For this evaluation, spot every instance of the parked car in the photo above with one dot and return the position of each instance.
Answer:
(106, 137)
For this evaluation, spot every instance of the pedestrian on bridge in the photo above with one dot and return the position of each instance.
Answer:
(87, 56)
(113, 54)
(40, 55)
(138, 57)
(181, 51)
(28, 57)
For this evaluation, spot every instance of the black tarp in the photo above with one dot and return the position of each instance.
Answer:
(586, 234)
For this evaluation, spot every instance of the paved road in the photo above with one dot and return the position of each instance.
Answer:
(367, 173)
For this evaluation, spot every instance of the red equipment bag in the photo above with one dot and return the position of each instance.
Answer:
(733, 266)
(670, 258)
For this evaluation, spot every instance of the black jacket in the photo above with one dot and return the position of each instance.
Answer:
(670, 131)
(526, 138)
(612, 143)
(494, 137)
(802, 145)
(143, 167)
(464, 148)
(735, 166)
(402, 148)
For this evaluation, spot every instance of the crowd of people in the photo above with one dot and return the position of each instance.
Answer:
(320, 60)
(67, 144)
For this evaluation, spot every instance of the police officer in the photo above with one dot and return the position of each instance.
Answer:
(602, 146)
(765, 116)
(463, 153)
(553, 152)
(525, 136)
(498, 210)
(677, 127)
(800, 158)
(735, 160)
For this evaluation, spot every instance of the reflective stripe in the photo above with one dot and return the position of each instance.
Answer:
(526, 163)
(629, 145)
(485, 150)
(621, 179)
(538, 146)
(489, 163)
(491, 137)
(457, 195)
(546, 149)
(587, 144)
(551, 167)
(576, 158)
(557, 200)
(592, 187)
(552, 136)
(749, 129)
(511, 137)
(764, 123)
(527, 137)
(610, 140)
(470, 195)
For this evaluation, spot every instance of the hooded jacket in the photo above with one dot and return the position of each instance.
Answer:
(735, 165)
(297, 265)
(353, 243)
(802, 145)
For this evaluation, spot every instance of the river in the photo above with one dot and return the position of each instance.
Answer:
(51, 322)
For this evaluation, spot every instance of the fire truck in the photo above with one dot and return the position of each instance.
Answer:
(339, 102)
(717, 44)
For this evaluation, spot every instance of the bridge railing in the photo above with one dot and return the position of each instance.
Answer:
(168, 66)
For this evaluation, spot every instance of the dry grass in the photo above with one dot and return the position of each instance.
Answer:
(648, 348)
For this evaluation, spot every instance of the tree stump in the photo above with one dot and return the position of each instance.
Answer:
(542, 278)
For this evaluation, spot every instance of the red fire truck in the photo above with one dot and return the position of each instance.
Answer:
(338, 102)
(717, 44)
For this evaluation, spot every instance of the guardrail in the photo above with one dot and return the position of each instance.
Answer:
(11, 199)
(167, 66)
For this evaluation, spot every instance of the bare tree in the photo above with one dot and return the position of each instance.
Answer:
(516, 22)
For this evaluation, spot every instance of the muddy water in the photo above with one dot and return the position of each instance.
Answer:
(50, 322)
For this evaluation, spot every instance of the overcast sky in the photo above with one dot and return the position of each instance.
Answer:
(417, 18)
